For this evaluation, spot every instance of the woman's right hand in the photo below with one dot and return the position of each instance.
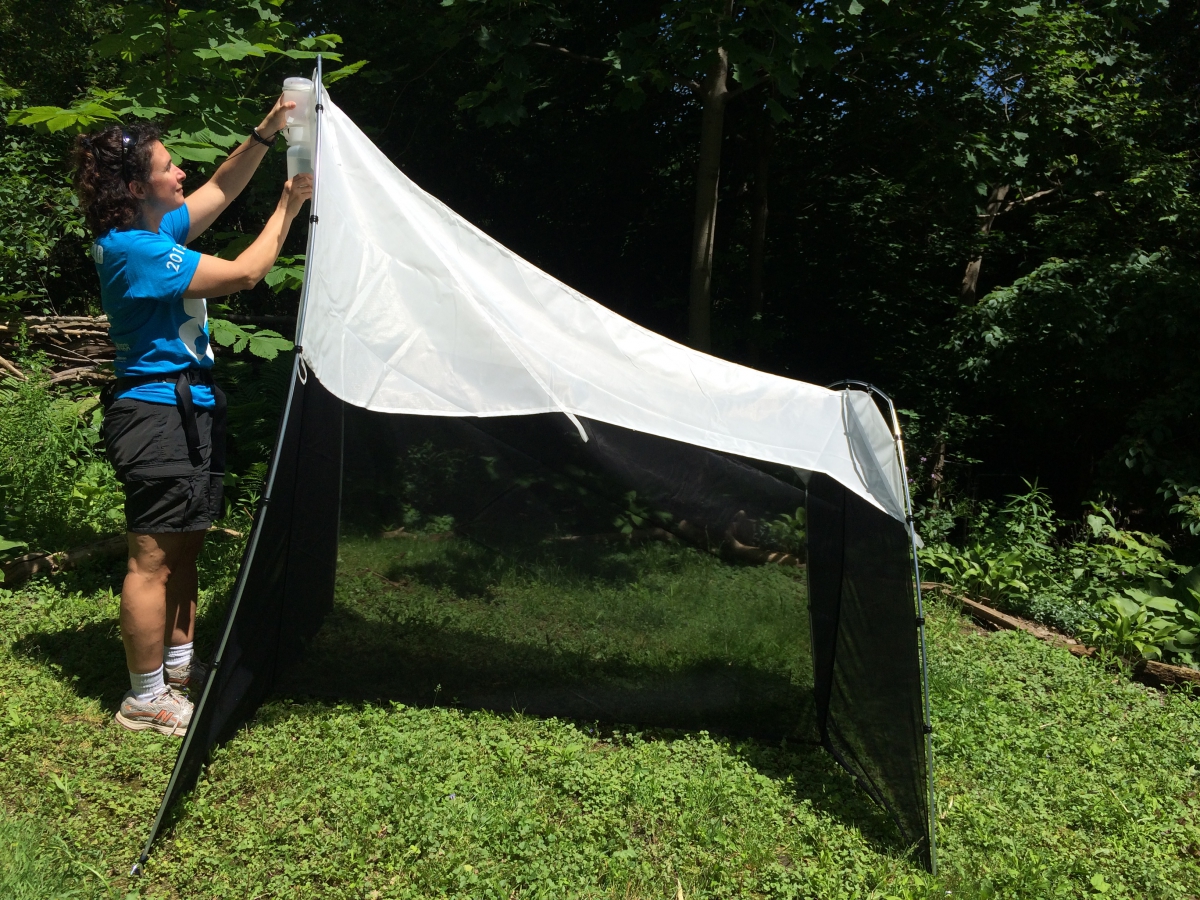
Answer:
(215, 277)
(295, 192)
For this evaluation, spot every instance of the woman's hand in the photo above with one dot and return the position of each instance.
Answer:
(276, 119)
(295, 192)
(215, 277)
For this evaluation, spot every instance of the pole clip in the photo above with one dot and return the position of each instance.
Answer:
(928, 729)
(313, 219)
(320, 107)
(920, 621)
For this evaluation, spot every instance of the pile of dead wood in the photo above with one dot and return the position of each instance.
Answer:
(1148, 671)
(78, 349)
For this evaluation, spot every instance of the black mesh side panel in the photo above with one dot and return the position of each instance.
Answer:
(826, 528)
(867, 668)
(285, 583)
(506, 564)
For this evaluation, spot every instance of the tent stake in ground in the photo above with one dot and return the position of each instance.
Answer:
(591, 510)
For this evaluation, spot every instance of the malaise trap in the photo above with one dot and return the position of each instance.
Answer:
(490, 491)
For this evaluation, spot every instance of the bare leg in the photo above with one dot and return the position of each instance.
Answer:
(153, 560)
(181, 592)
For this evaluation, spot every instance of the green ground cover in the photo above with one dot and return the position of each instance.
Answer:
(1055, 776)
(650, 633)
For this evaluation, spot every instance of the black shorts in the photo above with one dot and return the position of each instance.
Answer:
(166, 489)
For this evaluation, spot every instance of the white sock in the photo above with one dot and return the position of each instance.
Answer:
(148, 686)
(179, 655)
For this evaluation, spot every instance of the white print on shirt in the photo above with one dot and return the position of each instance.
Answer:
(192, 330)
(175, 258)
(98, 254)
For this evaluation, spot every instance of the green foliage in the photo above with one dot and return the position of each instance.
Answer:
(55, 485)
(1109, 583)
(263, 343)
(671, 50)
(287, 274)
(38, 209)
(208, 72)
(637, 515)
(1139, 625)
(32, 867)
(1186, 503)
(256, 389)
(789, 532)
(1052, 776)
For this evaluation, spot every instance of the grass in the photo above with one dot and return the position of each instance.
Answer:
(1055, 776)
(651, 633)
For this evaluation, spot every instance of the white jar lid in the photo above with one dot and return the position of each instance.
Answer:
(297, 84)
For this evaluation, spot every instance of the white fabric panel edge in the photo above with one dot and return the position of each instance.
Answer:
(413, 310)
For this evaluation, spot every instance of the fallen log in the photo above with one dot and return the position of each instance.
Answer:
(1160, 673)
(1148, 671)
(25, 567)
(21, 569)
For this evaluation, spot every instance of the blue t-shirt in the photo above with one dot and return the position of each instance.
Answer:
(156, 331)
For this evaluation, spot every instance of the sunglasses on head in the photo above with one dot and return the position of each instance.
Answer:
(127, 141)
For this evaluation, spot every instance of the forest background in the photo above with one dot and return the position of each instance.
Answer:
(990, 211)
(987, 209)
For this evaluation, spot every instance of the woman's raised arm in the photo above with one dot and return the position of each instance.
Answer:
(210, 200)
(215, 277)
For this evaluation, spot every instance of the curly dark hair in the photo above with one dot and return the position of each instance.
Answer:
(105, 163)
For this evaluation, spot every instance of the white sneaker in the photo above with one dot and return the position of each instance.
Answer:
(187, 679)
(168, 712)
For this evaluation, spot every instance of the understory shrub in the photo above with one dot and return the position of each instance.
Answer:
(56, 487)
(1116, 587)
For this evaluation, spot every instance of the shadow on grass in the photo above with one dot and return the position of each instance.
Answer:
(764, 718)
(90, 655)
(422, 664)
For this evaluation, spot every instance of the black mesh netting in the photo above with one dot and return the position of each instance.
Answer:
(508, 564)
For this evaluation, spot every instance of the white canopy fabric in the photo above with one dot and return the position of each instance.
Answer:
(412, 309)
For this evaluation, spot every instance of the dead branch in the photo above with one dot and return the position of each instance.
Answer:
(24, 567)
(1148, 671)
(82, 373)
(403, 583)
(12, 369)
(971, 276)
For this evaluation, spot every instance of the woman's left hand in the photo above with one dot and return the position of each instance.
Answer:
(276, 119)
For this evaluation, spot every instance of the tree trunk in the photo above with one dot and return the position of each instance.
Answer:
(758, 240)
(971, 278)
(714, 93)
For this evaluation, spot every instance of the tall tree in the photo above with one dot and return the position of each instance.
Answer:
(710, 52)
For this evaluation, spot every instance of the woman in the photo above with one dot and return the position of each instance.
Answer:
(164, 431)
